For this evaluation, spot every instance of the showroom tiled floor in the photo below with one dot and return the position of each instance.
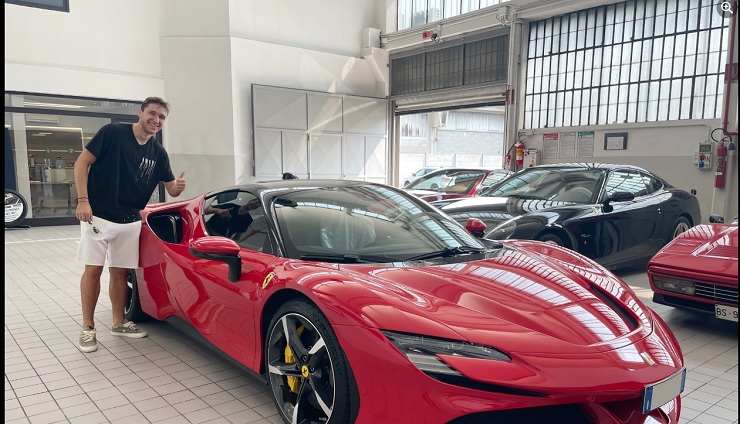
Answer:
(165, 378)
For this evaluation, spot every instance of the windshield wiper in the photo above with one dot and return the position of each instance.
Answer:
(446, 252)
(347, 259)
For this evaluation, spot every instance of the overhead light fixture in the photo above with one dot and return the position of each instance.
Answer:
(53, 105)
(46, 127)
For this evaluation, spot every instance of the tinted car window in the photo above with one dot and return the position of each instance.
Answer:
(630, 182)
(367, 220)
(238, 215)
(493, 178)
(448, 181)
(652, 184)
(574, 185)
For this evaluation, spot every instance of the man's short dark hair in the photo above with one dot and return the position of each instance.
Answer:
(157, 101)
(289, 176)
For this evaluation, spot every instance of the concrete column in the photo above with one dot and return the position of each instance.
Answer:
(514, 83)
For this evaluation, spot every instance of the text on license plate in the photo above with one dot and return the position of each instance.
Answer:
(660, 393)
(725, 312)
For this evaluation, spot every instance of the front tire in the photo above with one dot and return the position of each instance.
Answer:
(307, 371)
(682, 224)
(132, 310)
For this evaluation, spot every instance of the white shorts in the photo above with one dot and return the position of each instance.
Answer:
(102, 239)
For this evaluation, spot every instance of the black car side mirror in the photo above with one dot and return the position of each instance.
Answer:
(716, 219)
(620, 196)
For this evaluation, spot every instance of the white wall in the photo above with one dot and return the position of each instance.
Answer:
(331, 26)
(98, 49)
(202, 56)
(256, 62)
(197, 80)
(666, 149)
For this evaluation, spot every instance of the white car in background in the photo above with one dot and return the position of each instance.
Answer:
(419, 173)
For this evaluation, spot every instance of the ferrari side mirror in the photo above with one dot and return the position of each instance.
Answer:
(475, 227)
(219, 249)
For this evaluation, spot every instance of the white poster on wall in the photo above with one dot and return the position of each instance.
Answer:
(550, 143)
(585, 145)
(567, 147)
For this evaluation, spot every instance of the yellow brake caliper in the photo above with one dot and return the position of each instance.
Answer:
(293, 382)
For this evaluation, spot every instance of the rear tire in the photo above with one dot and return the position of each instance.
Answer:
(132, 311)
(328, 394)
(553, 238)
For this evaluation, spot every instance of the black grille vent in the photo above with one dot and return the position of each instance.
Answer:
(716, 292)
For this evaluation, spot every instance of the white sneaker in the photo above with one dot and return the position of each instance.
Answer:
(128, 329)
(88, 342)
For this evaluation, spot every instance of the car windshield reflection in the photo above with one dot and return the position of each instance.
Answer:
(365, 223)
(572, 185)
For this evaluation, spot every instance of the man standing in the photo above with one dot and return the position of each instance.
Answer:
(115, 175)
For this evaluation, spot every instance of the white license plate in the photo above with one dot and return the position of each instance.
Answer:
(725, 312)
(662, 392)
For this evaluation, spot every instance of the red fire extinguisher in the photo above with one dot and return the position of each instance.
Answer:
(719, 178)
(519, 149)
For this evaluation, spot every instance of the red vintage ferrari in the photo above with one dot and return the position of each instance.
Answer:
(357, 302)
(698, 271)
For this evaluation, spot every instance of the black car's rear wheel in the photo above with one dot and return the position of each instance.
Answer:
(307, 371)
(682, 224)
(553, 238)
(132, 310)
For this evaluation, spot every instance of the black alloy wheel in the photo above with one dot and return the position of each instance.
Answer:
(306, 369)
(132, 309)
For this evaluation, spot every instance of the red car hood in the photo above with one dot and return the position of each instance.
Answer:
(532, 298)
(711, 249)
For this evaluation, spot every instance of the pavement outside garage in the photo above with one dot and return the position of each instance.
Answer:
(165, 378)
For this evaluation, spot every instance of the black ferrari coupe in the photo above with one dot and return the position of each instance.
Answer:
(618, 215)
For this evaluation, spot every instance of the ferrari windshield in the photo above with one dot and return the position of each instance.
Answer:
(365, 223)
(450, 181)
(573, 185)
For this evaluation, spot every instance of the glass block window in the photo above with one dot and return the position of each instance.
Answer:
(408, 74)
(486, 60)
(636, 61)
(414, 13)
(472, 63)
(444, 68)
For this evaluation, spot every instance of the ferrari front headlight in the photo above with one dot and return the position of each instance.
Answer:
(422, 351)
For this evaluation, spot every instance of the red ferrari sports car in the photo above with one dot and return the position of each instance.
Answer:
(455, 183)
(357, 302)
(698, 271)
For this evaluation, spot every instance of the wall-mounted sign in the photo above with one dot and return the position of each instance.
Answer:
(550, 147)
(615, 141)
(585, 148)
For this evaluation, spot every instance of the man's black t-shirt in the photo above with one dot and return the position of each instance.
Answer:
(125, 173)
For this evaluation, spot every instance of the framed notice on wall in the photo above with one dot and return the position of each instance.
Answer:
(550, 147)
(615, 141)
